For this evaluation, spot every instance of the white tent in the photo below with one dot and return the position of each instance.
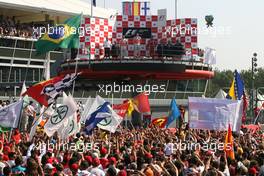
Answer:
(67, 7)
(221, 94)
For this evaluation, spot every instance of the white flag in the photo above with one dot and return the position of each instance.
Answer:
(87, 107)
(25, 98)
(215, 114)
(209, 56)
(36, 123)
(23, 89)
(72, 127)
(61, 114)
(110, 123)
(90, 108)
(9, 115)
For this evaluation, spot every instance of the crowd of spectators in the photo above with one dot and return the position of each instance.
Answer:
(170, 49)
(9, 26)
(149, 151)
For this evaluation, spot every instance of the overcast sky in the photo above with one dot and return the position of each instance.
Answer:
(238, 29)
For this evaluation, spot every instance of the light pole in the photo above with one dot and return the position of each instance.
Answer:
(253, 71)
(176, 9)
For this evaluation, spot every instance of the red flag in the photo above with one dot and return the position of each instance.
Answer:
(46, 92)
(160, 122)
(229, 144)
(141, 101)
(121, 109)
(245, 105)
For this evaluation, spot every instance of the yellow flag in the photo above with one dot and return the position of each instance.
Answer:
(231, 92)
(130, 108)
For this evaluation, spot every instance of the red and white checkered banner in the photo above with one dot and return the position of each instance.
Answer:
(97, 30)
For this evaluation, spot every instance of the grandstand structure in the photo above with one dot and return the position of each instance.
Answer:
(18, 19)
(174, 62)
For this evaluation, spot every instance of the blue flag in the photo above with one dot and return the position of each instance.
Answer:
(97, 116)
(174, 112)
(239, 84)
(236, 90)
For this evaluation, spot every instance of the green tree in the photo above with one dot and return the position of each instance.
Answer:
(224, 78)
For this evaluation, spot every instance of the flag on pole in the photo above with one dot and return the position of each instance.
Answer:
(127, 8)
(23, 89)
(90, 107)
(237, 87)
(110, 123)
(237, 92)
(46, 92)
(130, 108)
(61, 114)
(62, 36)
(71, 127)
(145, 8)
(25, 98)
(136, 9)
(141, 102)
(159, 122)
(87, 107)
(174, 112)
(36, 122)
(231, 94)
(97, 116)
(121, 109)
(229, 144)
(10, 115)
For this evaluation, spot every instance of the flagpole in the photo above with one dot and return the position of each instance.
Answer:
(91, 8)
(176, 9)
(111, 115)
(47, 69)
(75, 71)
(76, 61)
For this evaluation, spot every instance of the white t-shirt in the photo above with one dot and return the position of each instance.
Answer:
(96, 171)
(83, 173)
(107, 44)
(2, 165)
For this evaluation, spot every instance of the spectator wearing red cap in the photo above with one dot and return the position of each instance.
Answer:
(74, 168)
(253, 171)
(89, 159)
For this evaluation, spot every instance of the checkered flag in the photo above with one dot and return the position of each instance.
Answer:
(48, 91)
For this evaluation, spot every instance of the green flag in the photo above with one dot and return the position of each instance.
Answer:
(60, 36)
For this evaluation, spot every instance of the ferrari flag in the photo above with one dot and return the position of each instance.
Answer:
(46, 92)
